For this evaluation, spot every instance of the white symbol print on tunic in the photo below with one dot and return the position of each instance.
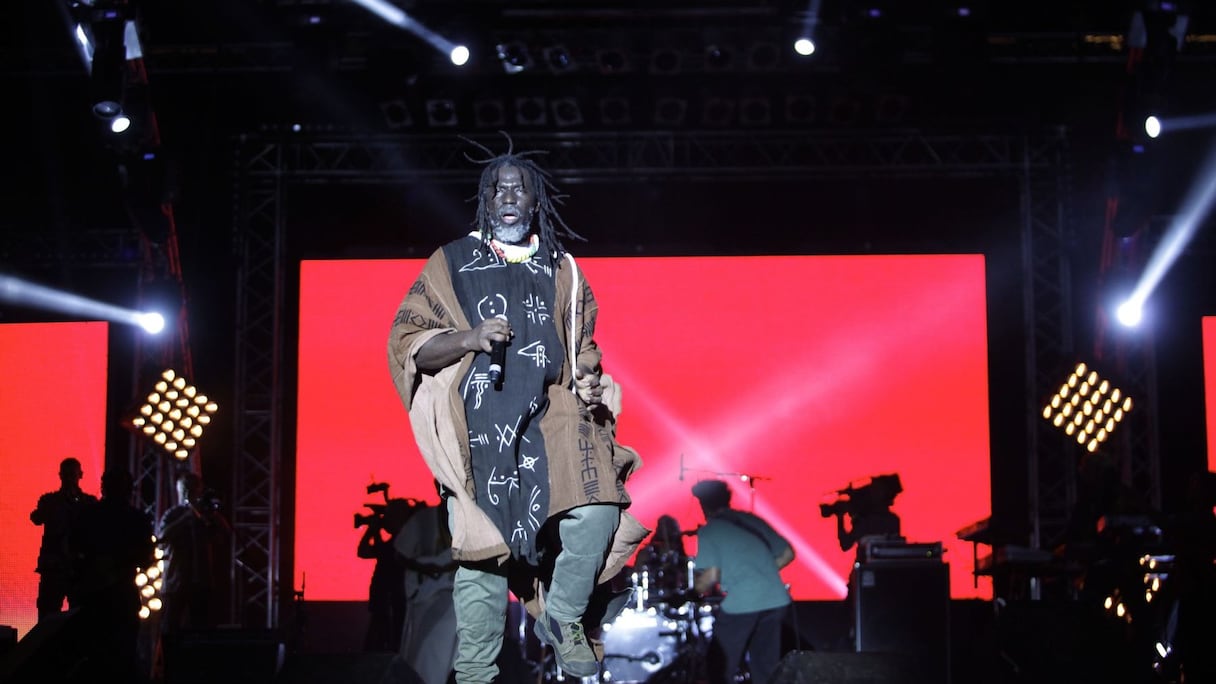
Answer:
(507, 434)
(478, 382)
(508, 481)
(538, 311)
(529, 462)
(534, 508)
(491, 306)
(519, 532)
(478, 264)
(536, 352)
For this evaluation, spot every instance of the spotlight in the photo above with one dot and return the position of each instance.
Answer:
(1152, 126)
(559, 60)
(514, 56)
(717, 111)
(530, 111)
(718, 57)
(489, 113)
(670, 111)
(799, 109)
(755, 111)
(441, 113)
(614, 111)
(612, 61)
(845, 110)
(459, 55)
(665, 61)
(396, 114)
(804, 46)
(763, 57)
(566, 111)
(120, 123)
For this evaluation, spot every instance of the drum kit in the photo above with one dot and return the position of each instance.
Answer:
(662, 635)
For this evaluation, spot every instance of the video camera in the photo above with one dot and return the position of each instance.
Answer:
(392, 512)
(876, 495)
(210, 501)
(378, 510)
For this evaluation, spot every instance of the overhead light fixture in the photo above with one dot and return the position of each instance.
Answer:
(489, 113)
(530, 111)
(755, 111)
(718, 57)
(457, 53)
(615, 111)
(513, 56)
(558, 59)
(670, 111)
(612, 61)
(665, 61)
(717, 111)
(763, 56)
(1087, 407)
(845, 110)
(891, 109)
(566, 112)
(799, 109)
(804, 37)
(396, 114)
(441, 113)
(174, 415)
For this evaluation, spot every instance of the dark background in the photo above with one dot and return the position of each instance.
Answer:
(219, 70)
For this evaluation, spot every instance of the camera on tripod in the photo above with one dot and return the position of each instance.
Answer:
(876, 495)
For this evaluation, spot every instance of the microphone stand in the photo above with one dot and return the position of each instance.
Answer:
(749, 479)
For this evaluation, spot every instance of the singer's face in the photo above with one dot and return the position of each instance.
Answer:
(511, 206)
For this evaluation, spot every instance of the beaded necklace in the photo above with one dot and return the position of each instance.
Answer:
(516, 254)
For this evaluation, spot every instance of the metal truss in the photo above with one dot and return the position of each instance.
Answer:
(257, 399)
(268, 163)
(664, 155)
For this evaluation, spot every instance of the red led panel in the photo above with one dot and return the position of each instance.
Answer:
(804, 373)
(52, 405)
(1209, 385)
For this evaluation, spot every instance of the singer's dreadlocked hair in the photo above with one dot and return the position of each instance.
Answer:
(535, 179)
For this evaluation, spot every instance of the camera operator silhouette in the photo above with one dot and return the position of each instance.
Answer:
(386, 591)
(190, 534)
(869, 510)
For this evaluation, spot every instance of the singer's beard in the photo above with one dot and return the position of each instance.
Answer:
(511, 234)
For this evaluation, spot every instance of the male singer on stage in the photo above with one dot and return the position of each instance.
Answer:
(528, 456)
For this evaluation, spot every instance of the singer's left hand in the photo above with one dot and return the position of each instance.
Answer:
(587, 385)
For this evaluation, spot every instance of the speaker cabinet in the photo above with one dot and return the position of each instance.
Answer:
(232, 656)
(903, 607)
(812, 667)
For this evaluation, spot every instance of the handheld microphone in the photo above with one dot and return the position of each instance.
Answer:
(498, 356)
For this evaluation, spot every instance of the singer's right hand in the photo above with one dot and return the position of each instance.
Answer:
(489, 331)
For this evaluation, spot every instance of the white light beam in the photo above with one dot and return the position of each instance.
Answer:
(17, 291)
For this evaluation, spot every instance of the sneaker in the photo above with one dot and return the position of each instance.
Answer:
(574, 655)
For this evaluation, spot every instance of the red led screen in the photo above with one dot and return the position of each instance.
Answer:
(803, 373)
(52, 405)
(1209, 385)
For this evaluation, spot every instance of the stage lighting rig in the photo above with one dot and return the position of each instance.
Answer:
(174, 415)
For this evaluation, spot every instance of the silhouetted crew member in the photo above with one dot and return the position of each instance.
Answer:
(55, 512)
(113, 540)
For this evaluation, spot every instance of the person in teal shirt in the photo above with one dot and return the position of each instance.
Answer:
(742, 555)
